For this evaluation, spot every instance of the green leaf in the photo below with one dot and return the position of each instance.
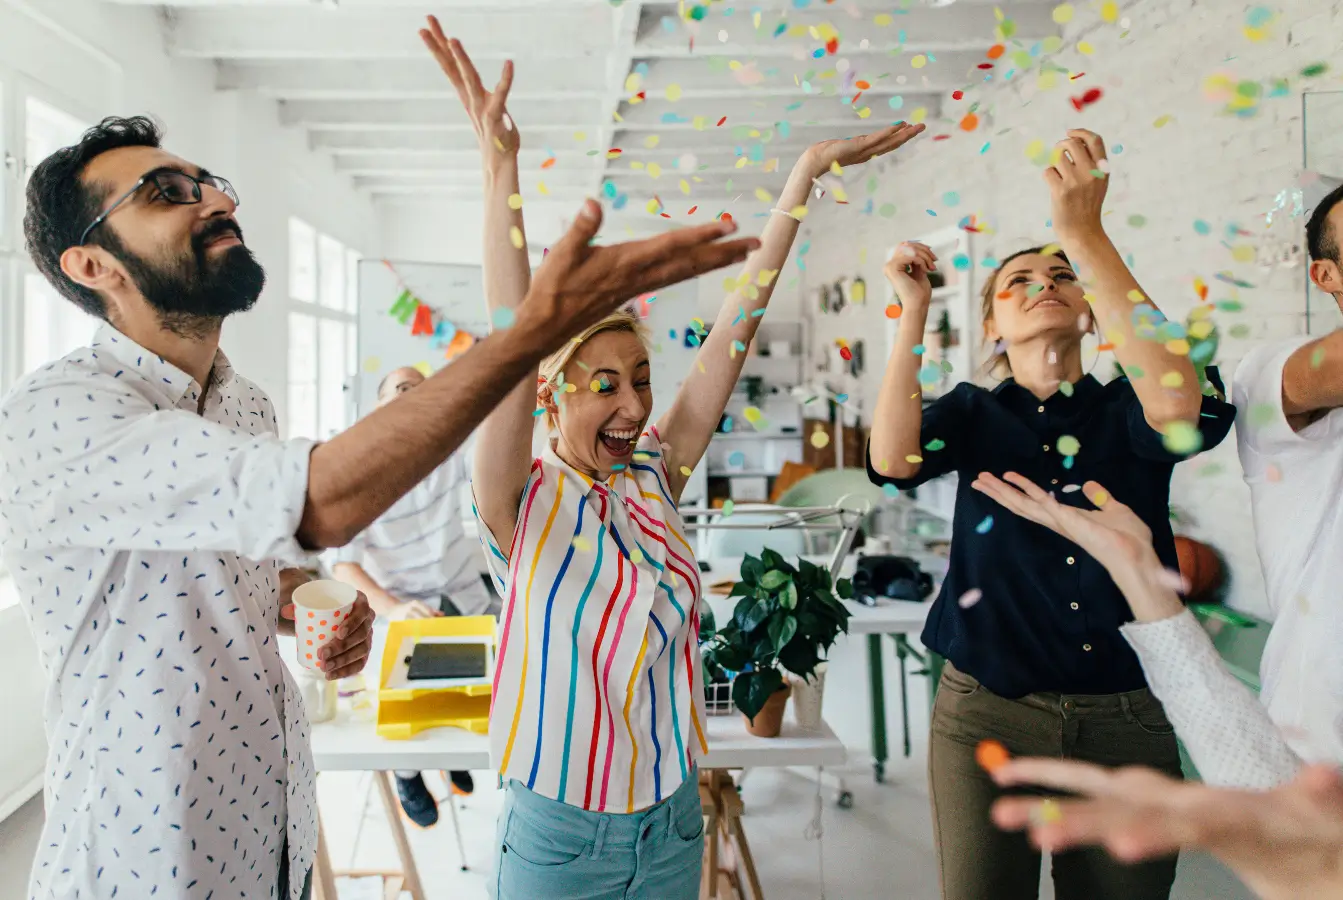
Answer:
(844, 588)
(800, 658)
(741, 694)
(741, 589)
(751, 570)
(755, 616)
(773, 560)
(708, 625)
(788, 596)
(760, 686)
(774, 579)
(781, 631)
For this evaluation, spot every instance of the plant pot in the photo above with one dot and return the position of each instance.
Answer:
(807, 697)
(769, 721)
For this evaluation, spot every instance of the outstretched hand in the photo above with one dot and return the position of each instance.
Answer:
(1077, 183)
(1285, 843)
(487, 109)
(579, 284)
(819, 158)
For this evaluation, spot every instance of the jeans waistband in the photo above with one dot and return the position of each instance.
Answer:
(601, 828)
(1118, 703)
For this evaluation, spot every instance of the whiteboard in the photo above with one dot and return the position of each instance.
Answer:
(455, 293)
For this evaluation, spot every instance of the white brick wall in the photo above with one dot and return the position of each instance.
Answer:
(1202, 165)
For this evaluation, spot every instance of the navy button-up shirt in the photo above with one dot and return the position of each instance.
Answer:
(1049, 615)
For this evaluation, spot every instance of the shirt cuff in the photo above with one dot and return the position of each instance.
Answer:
(292, 489)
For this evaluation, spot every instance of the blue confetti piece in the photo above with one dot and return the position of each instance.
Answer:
(802, 251)
(671, 333)
(918, 349)
(901, 36)
(961, 262)
(818, 52)
(642, 68)
(895, 101)
(737, 458)
(989, 262)
(727, 423)
(983, 527)
(780, 29)
(951, 198)
(784, 129)
(537, 413)
(755, 314)
(619, 202)
(609, 189)
(1068, 461)
(1117, 149)
(668, 23)
(796, 104)
(930, 212)
(867, 207)
(890, 490)
(503, 317)
(841, 397)
(671, 118)
(617, 467)
(801, 4)
(1202, 227)
(984, 149)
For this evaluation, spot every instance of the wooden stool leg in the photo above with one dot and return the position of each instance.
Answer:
(393, 807)
(324, 880)
(747, 862)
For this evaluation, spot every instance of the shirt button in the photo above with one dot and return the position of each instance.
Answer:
(1071, 560)
(1039, 409)
(1074, 606)
(1069, 705)
(1046, 448)
(1053, 481)
(1086, 647)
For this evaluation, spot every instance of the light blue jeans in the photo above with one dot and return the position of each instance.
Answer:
(556, 851)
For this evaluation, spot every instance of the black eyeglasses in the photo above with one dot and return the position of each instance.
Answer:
(173, 186)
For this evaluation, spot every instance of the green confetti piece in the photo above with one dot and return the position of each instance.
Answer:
(1317, 357)
(1137, 221)
(1262, 414)
(1314, 70)
(887, 210)
(1181, 438)
(1230, 305)
(1068, 445)
(1134, 372)
(1240, 332)
(1066, 388)
(935, 444)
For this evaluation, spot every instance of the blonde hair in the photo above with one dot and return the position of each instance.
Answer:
(552, 367)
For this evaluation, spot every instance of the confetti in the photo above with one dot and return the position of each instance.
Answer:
(991, 755)
(984, 526)
(912, 458)
(1063, 13)
(890, 490)
(1182, 438)
(582, 545)
(685, 470)
(935, 444)
(819, 438)
(751, 414)
(1068, 445)
(970, 598)
(636, 556)
(503, 317)
(1172, 380)
(515, 235)
(969, 122)
(728, 506)
(1049, 812)
(894, 311)
(919, 61)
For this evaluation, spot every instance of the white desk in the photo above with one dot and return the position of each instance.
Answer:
(897, 618)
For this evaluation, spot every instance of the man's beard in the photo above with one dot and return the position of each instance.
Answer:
(193, 293)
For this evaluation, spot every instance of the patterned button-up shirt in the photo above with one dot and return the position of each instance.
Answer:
(598, 694)
(145, 541)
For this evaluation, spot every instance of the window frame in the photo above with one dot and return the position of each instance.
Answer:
(346, 314)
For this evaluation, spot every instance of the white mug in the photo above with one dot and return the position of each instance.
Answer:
(321, 609)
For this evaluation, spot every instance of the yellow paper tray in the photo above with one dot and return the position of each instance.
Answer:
(404, 712)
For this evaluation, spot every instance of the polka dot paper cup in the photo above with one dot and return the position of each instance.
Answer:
(320, 611)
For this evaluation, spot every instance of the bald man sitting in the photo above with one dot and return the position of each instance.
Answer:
(415, 562)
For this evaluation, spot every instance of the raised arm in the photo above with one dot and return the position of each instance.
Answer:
(1163, 378)
(499, 476)
(689, 424)
(898, 419)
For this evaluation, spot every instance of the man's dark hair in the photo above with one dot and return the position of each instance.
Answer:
(1321, 241)
(61, 205)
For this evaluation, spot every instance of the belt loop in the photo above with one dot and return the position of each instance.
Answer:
(599, 842)
(1127, 707)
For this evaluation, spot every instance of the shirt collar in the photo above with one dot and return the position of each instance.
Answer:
(1084, 393)
(552, 459)
(164, 379)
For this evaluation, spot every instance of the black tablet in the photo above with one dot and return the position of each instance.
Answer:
(430, 660)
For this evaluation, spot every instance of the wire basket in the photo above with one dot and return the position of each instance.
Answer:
(718, 699)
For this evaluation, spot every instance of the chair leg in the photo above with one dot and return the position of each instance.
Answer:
(393, 807)
(324, 881)
(747, 861)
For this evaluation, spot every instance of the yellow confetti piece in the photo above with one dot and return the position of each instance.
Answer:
(582, 545)
(836, 168)
(654, 169)
(751, 414)
(372, 364)
(1052, 44)
(819, 439)
(1051, 249)
(633, 83)
(918, 115)
(882, 19)
(1178, 346)
(1085, 48)
(542, 189)
(1137, 296)
(798, 212)
(919, 61)
(1035, 148)
(653, 206)
(515, 235)
(1109, 11)
(1063, 13)
(595, 385)
(1163, 121)
(580, 135)
(913, 458)
(697, 123)
(841, 195)
(1101, 498)
(742, 162)
(636, 556)
(763, 195)
(1200, 330)
(673, 92)
(685, 470)
(1068, 445)
(1181, 437)
(864, 112)
(636, 164)
(515, 201)
(1047, 80)
(1243, 253)
(1172, 380)
(766, 277)
(570, 388)
(651, 141)
(423, 368)
(685, 186)
(1050, 812)
(499, 145)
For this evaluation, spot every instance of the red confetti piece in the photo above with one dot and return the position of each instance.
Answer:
(845, 353)
(832, 46)
(957, 95)
(721, 121)
(642, 95)
(861, 85)
(986, 65)
(996, 51)
(691, 211)
(941, 137)
(1075, 77)
(614, 151)
(991, 755)
(854, 101)
(546, 164)
(666, 215)
(726, 217)
(1086, 99)
(970, 122)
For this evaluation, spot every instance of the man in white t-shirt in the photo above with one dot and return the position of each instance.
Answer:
(416, 561)
(1289, 431)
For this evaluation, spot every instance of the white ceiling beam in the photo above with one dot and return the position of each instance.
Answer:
(574, 116)
(219, 32)
(455, 191)
(439, 5)
(398, 79)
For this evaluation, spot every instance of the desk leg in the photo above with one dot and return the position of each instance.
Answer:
(324, 880)
(902, 654)
(878, 683)
(393, 807)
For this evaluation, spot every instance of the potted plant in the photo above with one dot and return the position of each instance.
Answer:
(786, 620)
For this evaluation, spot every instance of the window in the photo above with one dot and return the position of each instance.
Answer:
(322, 333)
(47, 129)
(52, 325)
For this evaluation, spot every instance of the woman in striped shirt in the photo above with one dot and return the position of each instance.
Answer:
(598, 711)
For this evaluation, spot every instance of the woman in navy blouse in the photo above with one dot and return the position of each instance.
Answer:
(1027, 621)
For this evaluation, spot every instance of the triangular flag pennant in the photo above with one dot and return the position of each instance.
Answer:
(443, 334)
(424, 321)
(403, 308)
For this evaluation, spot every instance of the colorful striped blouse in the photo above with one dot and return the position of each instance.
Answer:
(598, 699)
